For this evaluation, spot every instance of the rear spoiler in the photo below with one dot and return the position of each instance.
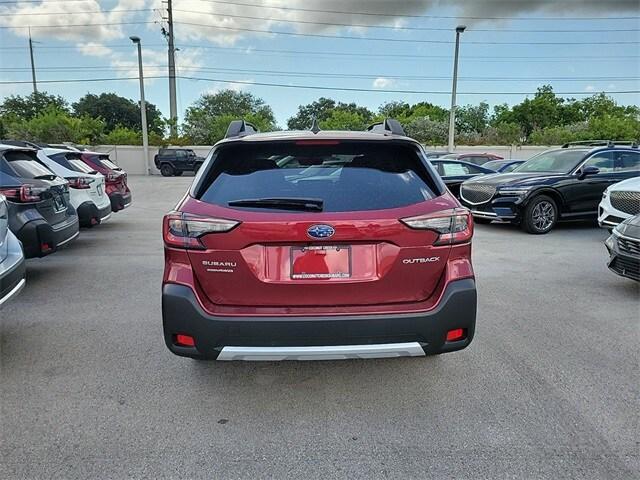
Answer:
(240, 128)
(388, 126)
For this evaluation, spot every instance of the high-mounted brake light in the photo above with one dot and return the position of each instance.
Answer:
(184, 230)
(79, 183)
(318, 142)
(453, 226)
(24, 194)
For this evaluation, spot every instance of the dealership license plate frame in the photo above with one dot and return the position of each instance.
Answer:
(344, 271)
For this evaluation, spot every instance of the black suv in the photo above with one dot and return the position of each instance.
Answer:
(174, 161)
(560, 184)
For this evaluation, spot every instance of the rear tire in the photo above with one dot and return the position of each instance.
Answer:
(167, 170)
(482, 221)
(540, 216)
(178, 173)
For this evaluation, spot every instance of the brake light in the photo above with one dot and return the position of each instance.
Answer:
(24, 194)
(183, 230)
(453, 226)
(318, 142)
(113, 177)
(80, 183)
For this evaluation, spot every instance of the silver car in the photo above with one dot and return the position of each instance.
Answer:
(12, 264)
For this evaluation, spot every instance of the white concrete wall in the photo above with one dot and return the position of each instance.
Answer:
(131, 158)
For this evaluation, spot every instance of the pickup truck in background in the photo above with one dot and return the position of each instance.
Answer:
(175, 161)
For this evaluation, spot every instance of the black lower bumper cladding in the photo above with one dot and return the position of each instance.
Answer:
(182, 314)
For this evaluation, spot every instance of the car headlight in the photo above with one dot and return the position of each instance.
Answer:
(514, 191)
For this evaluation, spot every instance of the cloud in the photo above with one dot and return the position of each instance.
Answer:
(52, 16)
(381, 83)
(245, 84)
(197, 19)
(589, 88)
(94, 49)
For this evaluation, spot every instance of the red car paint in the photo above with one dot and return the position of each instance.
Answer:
(115, 179)
(259, 248)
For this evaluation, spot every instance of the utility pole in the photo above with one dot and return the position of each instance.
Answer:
(173, 111)
(454, 88)
(143, 107)
(33, 66)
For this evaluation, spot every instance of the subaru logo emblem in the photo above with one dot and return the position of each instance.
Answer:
(320, 231)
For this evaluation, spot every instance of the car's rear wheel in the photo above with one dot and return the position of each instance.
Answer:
(540, 216)
(178, 173)
(166, 170)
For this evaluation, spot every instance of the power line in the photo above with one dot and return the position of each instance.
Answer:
(328, 75)
(309, 87)
(399, 40)
(386, 15)
(78, 25)
(126, 10)
(392, 27)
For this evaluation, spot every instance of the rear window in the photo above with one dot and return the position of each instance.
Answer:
(25, 165)
(72, 162)
(346, 176)
(104, 161)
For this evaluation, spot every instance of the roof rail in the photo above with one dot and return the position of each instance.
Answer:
(240, 128)
(601, 143)
(387, 126)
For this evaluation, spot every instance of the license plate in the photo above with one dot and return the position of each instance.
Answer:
(58, 204)
(322, 261)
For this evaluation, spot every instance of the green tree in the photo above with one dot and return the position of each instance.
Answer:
(345, 120)
(324, 109)
(57, 126)
(16, 107)
(117, 111)
(123, 136)
(472, 118)
(427, 131)
(206, 121)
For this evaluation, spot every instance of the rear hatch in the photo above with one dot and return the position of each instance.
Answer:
(41, 186)
(318, 225)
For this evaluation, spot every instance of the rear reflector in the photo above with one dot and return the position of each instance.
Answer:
(184, 340)
(455, 335)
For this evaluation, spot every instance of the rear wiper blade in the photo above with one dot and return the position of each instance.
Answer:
(312, 204)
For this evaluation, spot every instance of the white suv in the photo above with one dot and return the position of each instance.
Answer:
(86, 186)
(619, 202)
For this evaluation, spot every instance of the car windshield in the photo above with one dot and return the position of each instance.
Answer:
(494, 164)
(338, 177)
(555, 161)
(452, 156)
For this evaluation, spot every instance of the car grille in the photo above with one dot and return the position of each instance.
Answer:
(628, 245)
(477, 193)
(626, 268)
(627, 202)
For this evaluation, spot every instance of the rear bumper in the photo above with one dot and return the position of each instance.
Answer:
(89, 213)
(348, 336)
(39, 238)
(119, 201)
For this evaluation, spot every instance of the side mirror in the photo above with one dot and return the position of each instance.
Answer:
(586, 171)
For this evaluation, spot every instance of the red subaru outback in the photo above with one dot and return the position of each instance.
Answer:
(317, 245)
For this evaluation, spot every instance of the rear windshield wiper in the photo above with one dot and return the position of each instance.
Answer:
(305, 204)
(45, 177)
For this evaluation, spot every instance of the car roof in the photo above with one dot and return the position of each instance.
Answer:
(285, 135)
(4, 147)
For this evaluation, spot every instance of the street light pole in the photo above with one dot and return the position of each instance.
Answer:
(143, 107)
(452, 113)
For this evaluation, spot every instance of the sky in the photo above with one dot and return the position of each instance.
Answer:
(375, 51)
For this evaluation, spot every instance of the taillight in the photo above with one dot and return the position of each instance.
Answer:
(25, 194)
(453, 226)
(80, 183)
(183, 230)
(113, 177)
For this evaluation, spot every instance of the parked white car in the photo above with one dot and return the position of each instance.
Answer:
(12, 264)
(86, 186)
(619, 202)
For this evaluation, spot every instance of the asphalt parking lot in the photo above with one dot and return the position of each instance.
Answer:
(548, 388)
